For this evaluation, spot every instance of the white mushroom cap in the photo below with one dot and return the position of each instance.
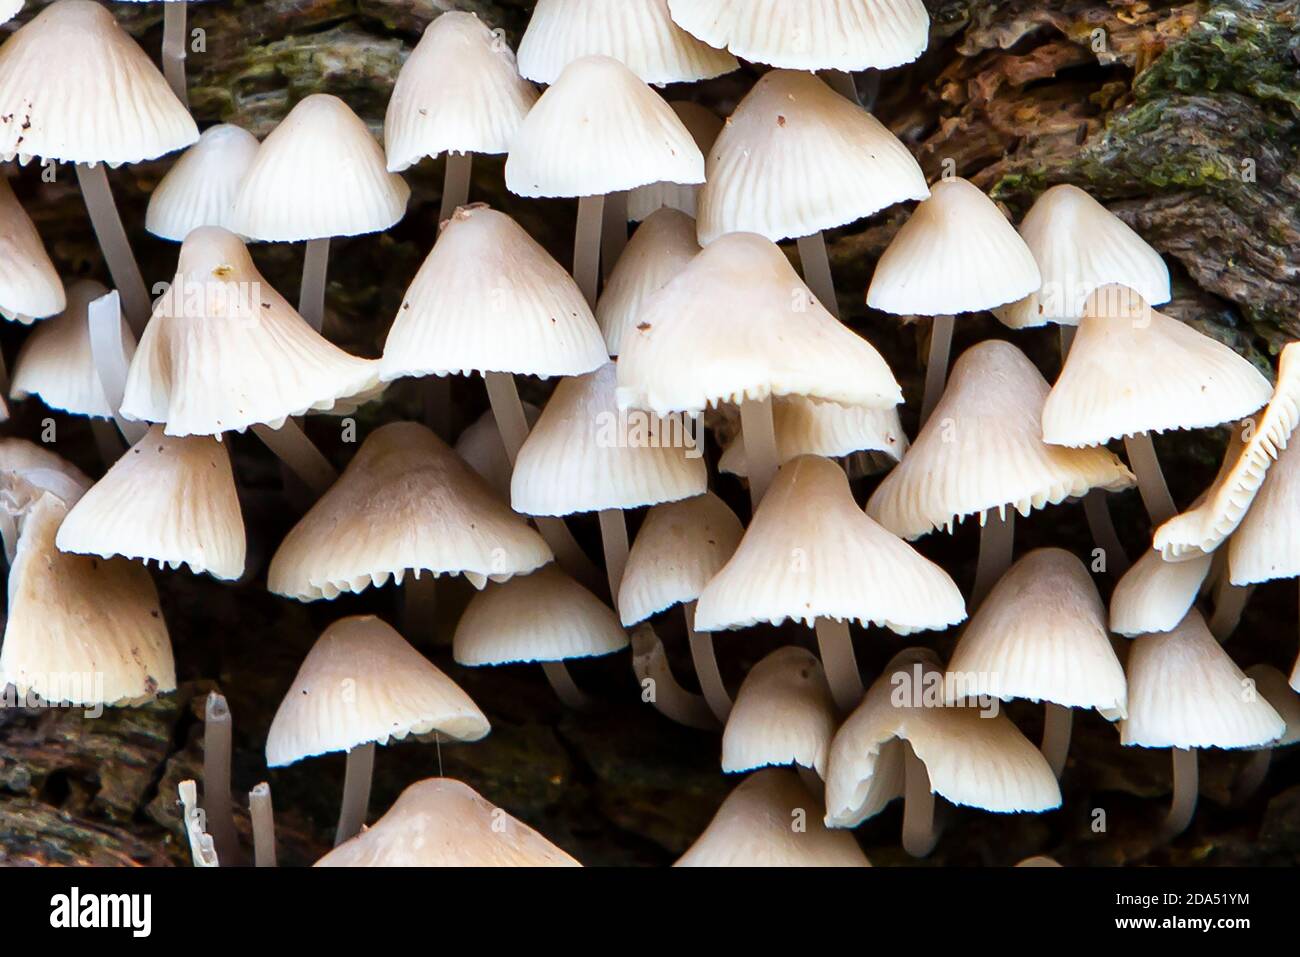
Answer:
(1155, 595)
(10, 9)
(439, 822)
(481, 447)
(638, 33)
(796, 157)
(811, 553)
(1272, 685)
(21, 457)
(30, 287)
(982, 449)
(770, 820)
(739, 323)
(1266, 545)
(361, 683)
(55, 361)
(200, 188)
(661, 248)
(319, 173)
(704, 126)
(458, 92)
(807, 427)
(599, 130)
(1185, 692)
(783, 715)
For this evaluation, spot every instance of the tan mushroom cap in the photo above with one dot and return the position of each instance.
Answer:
(76, 88)
(811, 553)
(1273, 687)
(545, 616)
(599, 130)
(783, 715)
(361, 683)
(806, 427)
(489, 298)
(1041, 635)
(661, 248)
(439, 822)
(30, 287)
(1133, 370)
(738, 323)
(1266, 545)
(1185, 692)
(56, 363)
(200, 188)
(704, 126)
(405, 503)
(771, 820)
(796, 157)
(973, 758)
(168, 500)
(458, 92)
(481, 447)
(983, 449)
(1155, 595)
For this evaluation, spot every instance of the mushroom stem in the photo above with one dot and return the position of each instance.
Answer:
(175, 40)
(1151, 480)
(455, 184)
(202, 851)
(613, 538)
(659, 686)
(1058, 723)
(1066, 334)
(110, 232)
(759, 432)
(1186, 788)
(263, 818)
(842, 83)
(919, 833)
(706, 666)
(936, 365)
(997, 541)
(817, 271)
(1096, 508)
(219, 814)
(840, 664)
(1252, 776)
(111, 351)
(356, 792)
(586, 246)
(292, 447)
(613, 232)
(1229, 604)
(108, 440)
(565, 688)
(311, 291)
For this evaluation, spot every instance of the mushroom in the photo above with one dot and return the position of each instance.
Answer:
(201, 186)
(1272, 685)
(1155, 595)
(10, 9)
(174, 46)
(30, 288)
(481, 447)
(784, 714)
(661, 248)
(659, 686)
(704, 126)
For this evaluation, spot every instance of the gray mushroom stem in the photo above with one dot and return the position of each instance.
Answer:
(919, 833)
(659, 686)
(1186, 789)
(997, 543)
(936, 364)
(174, 47)
(262, 815)
(613, 232)
(1229, 605)
(356, 792)
(613, 539)
(292, 447)
(761, 460)
(565, 688)
(311, 292)
(455, 184)
(706, 667)
(586, 246)
(1151, 480)
(1058, 725)
(219, 814)
(1096, 508)
(1252, 776)
(840, 663)
(111, 234)
(817, 271)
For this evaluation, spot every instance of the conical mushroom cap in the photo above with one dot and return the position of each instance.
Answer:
(811, 553)
(661, 248)
(812, 34)
(1080, 245)
(169, 500)
(1133, 370)
(973, 758)
(224, 350)
(1267, 543)
(29, 286)
(1155, 595)
(599, 130)
(796, 158)
(74, 87)
(638, 33)
(320, 173)
(806, 427)
(361, 683)
(458, 92)
(756, 827)
(680, 546)
(1041, 635)
(738, 323)
(489, 298)
(982, 449)
(200, 188)
(584, 455)
(1272, 685)
(546, 616)
(22, 457)
(1185, 692)
(439, 822)
(704, 126)
(956, 253)
(56, 364)
(481, 447)
(783, 715)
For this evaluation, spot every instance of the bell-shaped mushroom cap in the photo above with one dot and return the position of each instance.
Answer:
(771, 820)
(546, 616)
(1267, 543)
(599, 130)
(21, 458)
(74, 87)
(1040, 635)
(319, 173)
(1155, 595)
(704, 126)
(55, 361)
(807, 427)
(811, 34)
(1185, 692)
(1080, 245)
(360, 683)
(811, 553)
(783, 715)
(29, 286)
(680, 546)
(80, 631)
(983, 449)
(1272, 685)
(956, 253)
(481, 447)
(738, 323)
(661, 248)
(458, 92)
(489, 298)
(973, 757)
(405, 502)
(200, 188)
(796, 157)
(585, 455)
(439, 822)
(1133, 370)
(169, 500)
(224, 350)
(638, 33)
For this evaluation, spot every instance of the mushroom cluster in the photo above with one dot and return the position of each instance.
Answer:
(675, 365)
